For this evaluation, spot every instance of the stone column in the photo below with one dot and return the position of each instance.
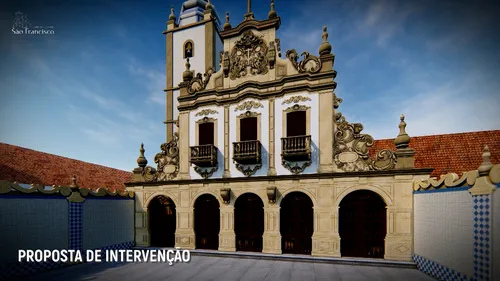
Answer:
(271, 240)
(184, 145)
(325, 145)
(272, 144)
(227, 172)
(227, 237)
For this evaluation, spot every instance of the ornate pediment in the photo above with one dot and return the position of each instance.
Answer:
(309, 63)
(249, 56)
(351, 148)
(198, 83)
(167, 162)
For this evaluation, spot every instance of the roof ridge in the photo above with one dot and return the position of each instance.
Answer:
(60, 156)
(433, 135)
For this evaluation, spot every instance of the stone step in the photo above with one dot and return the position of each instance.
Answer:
(300, 258)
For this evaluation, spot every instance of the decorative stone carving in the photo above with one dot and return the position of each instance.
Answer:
(350, 149)
(247, 105)
(271, 194)
(296, 107)
(248, 170)
(225, 193)
(278, 46)
(297, 168)
(167, 162)
(248, 114)
(199, 83)
(226, 64)
(207, 111)
(205, 172)
(248, 56)
(296, 99)
(271, 55)
(336, 101)
(309, 63)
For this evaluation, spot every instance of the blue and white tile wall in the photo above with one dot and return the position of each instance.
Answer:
(482, 237)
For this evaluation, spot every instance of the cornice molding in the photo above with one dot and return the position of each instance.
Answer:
(416, 171)
(251, 24)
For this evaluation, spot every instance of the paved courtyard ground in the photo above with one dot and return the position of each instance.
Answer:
(204, 268)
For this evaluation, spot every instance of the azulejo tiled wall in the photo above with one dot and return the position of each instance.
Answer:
(454, 219)
(46, 218)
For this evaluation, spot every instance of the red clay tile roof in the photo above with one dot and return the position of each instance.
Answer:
(30, 166)
(451, 153)
(445, 153)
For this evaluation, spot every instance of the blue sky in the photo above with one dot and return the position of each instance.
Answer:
(93, 90)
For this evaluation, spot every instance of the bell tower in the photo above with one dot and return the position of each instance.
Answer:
(193, 35)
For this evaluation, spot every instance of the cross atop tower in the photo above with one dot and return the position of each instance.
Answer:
(249, 14)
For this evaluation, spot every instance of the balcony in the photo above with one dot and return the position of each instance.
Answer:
(204, 155)
(296, 148)
(247, 152)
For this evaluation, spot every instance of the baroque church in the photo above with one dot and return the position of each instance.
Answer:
(258, 156)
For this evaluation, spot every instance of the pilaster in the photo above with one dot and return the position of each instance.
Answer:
(184, 233)
(227, 237)
(272, 236)
(325, 132)
(271, 170)
(184, 146)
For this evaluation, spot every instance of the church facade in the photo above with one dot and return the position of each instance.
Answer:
(258, 156)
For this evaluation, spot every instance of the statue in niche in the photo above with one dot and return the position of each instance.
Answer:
(188, 49)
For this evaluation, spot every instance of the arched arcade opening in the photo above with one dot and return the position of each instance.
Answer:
(249, 222)
(296, 223)
(362, 224)
(207, 222)
(161, 213)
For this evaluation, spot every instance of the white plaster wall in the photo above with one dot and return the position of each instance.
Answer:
(264, 136)
(496, 234)
(314, 127)
(443, 227)
(107, 222)
(197, 35)
(220, 138)
(32, 223)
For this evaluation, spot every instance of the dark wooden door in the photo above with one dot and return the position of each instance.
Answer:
(207, 222)
(162, 225)
(248, 129)
(249, 222)
(362, 225)
(296, 224)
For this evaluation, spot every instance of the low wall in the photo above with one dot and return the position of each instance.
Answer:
(48, 218)
(457, 225)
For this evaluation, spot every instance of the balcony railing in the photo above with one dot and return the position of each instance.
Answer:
(297, 148)
(247, 152)
(204, 155)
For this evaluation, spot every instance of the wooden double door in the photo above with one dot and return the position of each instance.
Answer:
(362, 225)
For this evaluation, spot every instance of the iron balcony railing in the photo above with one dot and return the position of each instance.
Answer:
(204, 155)
(296, 148)
(247, 152)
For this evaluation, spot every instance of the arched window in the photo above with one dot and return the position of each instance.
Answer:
(188, 49)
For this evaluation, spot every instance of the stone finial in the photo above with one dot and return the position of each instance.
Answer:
(272, 13)
(172, 14)
(325, 48)
(227, 25)
(73, 185)
(209, 6)
(486, 166)
(141, 160)
(249, 14)
(402, 140)
(187, 75)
